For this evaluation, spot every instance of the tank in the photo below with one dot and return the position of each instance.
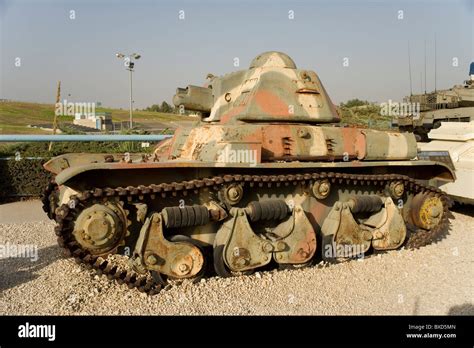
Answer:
(457, 139)
(265, 178)
(452, 105)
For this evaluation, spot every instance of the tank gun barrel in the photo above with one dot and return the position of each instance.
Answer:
(194, 98)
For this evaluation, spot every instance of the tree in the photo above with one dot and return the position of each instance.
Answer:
(154, 107)
(165, 107)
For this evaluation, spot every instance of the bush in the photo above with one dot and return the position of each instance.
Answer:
(164, 107)
(25, 177)
(354, 102)
(364, 116)
(41, 149)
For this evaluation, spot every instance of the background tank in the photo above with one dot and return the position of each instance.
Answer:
(452, 105)
(457, 138)
(265, 178)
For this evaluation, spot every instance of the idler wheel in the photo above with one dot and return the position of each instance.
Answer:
(427, 211)
(100, 228)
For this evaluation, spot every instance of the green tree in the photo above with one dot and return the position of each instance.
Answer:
(165, 107)
(154, 107)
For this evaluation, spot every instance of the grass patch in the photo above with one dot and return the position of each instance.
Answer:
(15, 129)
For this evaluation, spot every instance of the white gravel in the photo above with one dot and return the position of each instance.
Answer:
(437, 279)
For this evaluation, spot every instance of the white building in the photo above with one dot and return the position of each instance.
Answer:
(97, 120)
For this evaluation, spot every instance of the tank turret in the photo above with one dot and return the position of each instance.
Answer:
(271, 90)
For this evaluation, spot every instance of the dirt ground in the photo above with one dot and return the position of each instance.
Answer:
(436, 279)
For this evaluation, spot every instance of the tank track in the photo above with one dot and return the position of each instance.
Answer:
(145, 283)
(45, 199)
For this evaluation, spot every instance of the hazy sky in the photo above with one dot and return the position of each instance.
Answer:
(81, 52)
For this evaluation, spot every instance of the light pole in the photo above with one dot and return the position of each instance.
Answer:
(129, 64)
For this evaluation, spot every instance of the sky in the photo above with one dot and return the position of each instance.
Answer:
(372, 36)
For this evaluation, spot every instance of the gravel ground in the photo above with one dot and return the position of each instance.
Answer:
(437, 279)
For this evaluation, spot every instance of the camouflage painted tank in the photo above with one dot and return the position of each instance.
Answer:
(452, 105)
(266, 178)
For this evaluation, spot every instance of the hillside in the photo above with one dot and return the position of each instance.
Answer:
(16, 117)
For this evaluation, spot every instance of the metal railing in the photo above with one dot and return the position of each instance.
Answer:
(81, 137)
